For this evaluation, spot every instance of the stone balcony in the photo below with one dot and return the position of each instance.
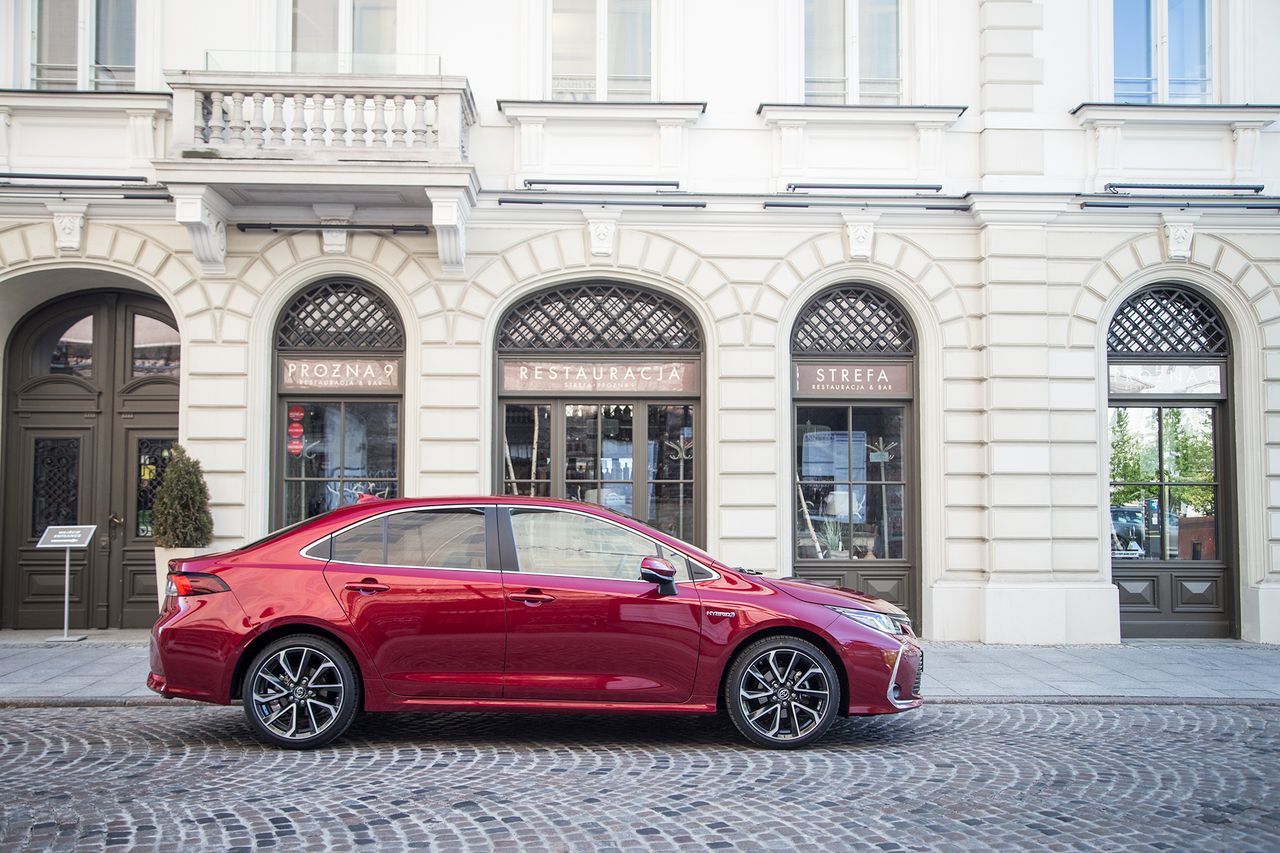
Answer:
(284, 147)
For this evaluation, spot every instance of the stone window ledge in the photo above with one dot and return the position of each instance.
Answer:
(1223, 115)
(904, 115)
(684, 111)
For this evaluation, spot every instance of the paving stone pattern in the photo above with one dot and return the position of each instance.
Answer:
(951, 777)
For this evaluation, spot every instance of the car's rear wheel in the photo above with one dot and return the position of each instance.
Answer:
(300, 692)
(782, 692)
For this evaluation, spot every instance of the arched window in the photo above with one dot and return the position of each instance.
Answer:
(340, 353)
(1168, 350)
(340, 314)
(599, 386)
(852, 354)
(602, 317)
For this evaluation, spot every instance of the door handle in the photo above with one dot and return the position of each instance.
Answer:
(532, 598)
(368, 585)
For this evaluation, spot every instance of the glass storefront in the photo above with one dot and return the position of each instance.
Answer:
(348, 449)
(599, 402)
(339, 349)
(850, 464)
(636, 457)
(1167, 369)
(853, 437)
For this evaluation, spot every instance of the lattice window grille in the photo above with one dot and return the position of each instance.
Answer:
(852, 319)
(599, 316)
(1161, 321)
(55, 484)
(340, 314)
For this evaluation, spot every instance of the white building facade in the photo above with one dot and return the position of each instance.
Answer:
(973, 305)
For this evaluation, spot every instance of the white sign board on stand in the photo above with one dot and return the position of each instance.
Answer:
(67, 537)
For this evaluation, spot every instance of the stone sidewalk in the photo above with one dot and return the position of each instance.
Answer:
(110, 667)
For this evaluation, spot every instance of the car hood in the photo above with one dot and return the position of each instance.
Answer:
(833, 596)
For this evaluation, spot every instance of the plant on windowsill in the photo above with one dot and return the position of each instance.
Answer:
(180, 520)
(833, 539)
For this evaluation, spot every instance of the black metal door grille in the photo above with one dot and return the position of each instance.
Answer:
(1167, 320)
(852, 319)
(599, 316)
(342, 314)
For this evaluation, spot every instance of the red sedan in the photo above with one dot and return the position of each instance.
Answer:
(517, 604)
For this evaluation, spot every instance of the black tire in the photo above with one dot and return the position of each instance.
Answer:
(308, 691)
(799, 707)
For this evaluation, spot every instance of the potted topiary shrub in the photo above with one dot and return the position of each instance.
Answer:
(180, 519)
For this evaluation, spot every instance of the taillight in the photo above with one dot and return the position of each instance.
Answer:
(194, 583)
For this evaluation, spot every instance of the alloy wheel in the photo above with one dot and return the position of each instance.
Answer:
(784, 695)
(297, 693)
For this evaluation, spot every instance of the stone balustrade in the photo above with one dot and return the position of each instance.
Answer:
(242, 114)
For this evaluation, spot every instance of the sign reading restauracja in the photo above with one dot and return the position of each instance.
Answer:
(852, 380)
(348, 374)
(588, 377)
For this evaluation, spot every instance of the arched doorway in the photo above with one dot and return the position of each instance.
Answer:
(91, 411)
(599, 400)
(337, 428)
(854, 434)
(1168, 353)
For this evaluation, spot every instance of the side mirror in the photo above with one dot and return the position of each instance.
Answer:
(659, 571)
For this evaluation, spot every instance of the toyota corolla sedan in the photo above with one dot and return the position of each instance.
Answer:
(517, 604)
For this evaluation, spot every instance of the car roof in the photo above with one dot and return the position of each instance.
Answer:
(369, 506)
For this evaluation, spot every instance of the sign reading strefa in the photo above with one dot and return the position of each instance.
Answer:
(332, 374)
(852, 380)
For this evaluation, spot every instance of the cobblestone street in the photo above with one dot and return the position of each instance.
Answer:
(965, 776)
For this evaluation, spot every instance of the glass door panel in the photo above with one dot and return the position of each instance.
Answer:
(600, 455)
(1164, 483)
(633, 457)
(526, 450)
(850, 490)
(336, 451)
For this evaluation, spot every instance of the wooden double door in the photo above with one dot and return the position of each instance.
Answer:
(91, 414)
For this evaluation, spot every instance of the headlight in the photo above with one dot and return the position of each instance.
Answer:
(882, 622)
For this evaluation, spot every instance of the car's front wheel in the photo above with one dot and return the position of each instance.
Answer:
(300, 692)
(782, 692)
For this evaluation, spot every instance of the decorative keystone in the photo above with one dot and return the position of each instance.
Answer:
(1178, 230)
(68, 223)
(204, 213)
(602, 227)
(335, 239)
(860, 229)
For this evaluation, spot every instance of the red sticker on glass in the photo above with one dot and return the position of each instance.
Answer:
(295, 446)
(296, 413)
(295, 429)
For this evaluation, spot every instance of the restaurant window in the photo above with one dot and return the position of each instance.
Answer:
(1167, 379)
(852, 52)
(602, 50)
(1163, 51)
(599, 388)
(84, 44)
(340, 363)
(853, 427)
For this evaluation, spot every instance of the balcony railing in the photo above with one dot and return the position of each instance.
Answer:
(241, 114)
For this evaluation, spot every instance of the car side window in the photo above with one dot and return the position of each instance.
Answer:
(566, 543)
(364, 543)
(684, 567)
(438, 539)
